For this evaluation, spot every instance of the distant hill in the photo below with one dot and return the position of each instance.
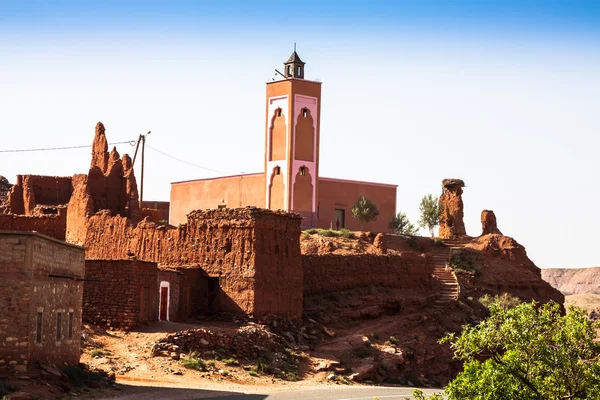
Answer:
(573, 280)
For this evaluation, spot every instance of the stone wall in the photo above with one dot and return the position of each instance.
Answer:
(237, 246)
(39, 275)
(331, 273)
(54, 225)
(120, 293)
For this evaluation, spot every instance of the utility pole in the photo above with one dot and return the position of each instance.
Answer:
(142, 140)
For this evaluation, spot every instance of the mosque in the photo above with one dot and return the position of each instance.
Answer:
(290, 180)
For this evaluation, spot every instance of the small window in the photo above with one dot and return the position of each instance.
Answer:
(58, 326)
(289, 71)
(303, 171)
(279, 112)
(70, 332)
(299, 71)
(38, 332)
(305, 112)
(277, 170)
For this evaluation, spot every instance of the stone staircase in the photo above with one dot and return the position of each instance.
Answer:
(441, 258)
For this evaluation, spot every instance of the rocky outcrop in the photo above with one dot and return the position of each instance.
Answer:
(451, 209)
(501, 265)
(574, 280)
(488, 223)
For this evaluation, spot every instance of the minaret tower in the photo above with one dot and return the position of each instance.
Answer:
(292, 142)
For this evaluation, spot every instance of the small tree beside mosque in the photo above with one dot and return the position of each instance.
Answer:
(364, 210)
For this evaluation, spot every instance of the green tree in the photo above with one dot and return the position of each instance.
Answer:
(527, 352)
(401, 225)
(364, 210)
(430, 213)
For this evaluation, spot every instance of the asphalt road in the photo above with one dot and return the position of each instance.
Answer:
(317, 393)
(334, 393)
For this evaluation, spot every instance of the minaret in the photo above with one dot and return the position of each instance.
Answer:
(293, 114)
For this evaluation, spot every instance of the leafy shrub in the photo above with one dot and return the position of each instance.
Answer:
(505, 300)
(193, 361)
(412, 243)
(438, 242)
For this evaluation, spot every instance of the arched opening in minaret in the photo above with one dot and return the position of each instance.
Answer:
(303, 190)
(276, 190)
(277, 136)
(304, 143)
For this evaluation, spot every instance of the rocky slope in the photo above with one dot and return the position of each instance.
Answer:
(573, 280)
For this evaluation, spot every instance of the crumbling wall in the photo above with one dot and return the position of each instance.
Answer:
(114, 293)
(53, 225)
(32, 190)
(331, 273)
(237, 246)
(111, 182)
(451, 209)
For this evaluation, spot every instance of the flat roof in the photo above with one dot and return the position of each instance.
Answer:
(41, 235)
(217, 177)
(358, 182)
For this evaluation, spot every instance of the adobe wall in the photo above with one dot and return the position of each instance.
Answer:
(15, 304)
(279, 276)
(174, 279)
(331, 273)
(235, 191)
(113, 292)
(54, 225)
(32, 190)
(39, 274)
(341, 194)
(238, 246)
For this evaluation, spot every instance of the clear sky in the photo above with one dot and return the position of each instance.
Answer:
(503, 94)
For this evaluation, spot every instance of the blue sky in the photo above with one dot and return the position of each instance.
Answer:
(504, 95)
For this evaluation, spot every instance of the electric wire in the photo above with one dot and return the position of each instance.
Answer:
(189, 163)
(130, 142)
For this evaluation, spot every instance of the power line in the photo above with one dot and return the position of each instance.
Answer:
(131, 142)
(187, 162)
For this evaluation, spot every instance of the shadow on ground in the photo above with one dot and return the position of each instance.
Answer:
(130, 392)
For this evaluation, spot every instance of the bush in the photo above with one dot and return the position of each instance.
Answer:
(193, 361)
(528, 352)
(505, 300)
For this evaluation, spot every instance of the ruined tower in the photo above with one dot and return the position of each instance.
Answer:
(451, 209)
(293, 113)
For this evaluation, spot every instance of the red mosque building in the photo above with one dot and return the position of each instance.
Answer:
(291, 180)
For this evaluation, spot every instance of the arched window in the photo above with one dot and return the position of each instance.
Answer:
(303, 170)
(304, 112)
(279, 112)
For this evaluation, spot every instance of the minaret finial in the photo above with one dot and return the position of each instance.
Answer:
(294, 46)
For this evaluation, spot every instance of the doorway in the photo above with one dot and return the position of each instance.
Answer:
(163, 307)
(213, 291)
(340, 219)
